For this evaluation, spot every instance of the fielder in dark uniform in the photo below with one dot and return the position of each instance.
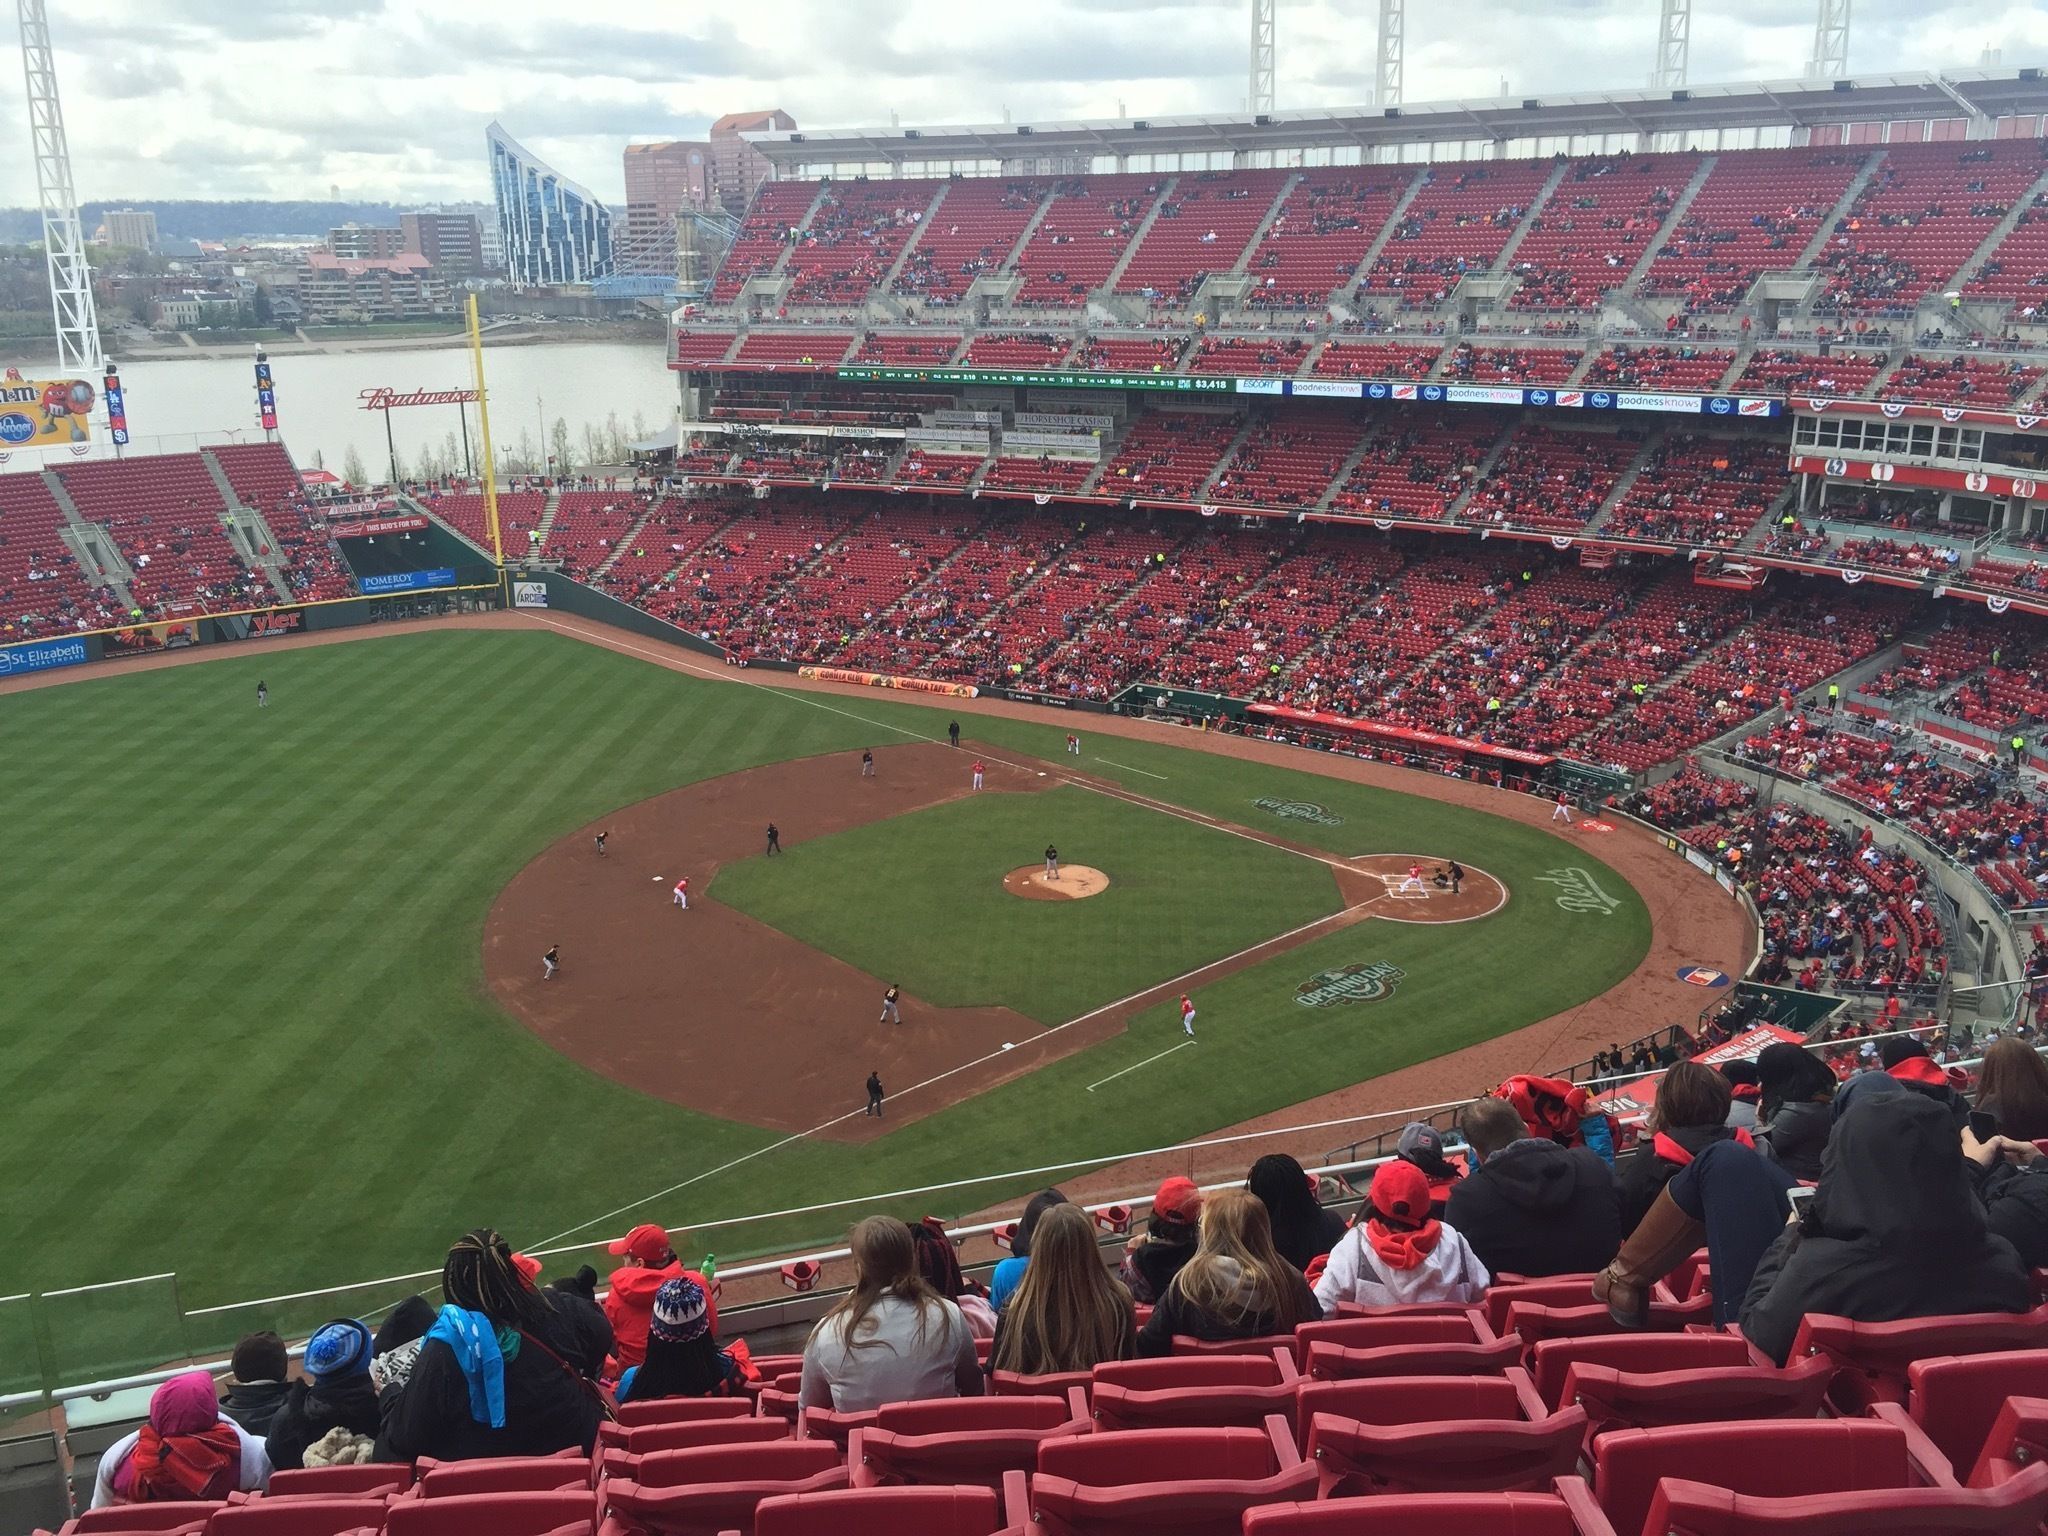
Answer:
(551, 962)
(1052, 862)
(774, 838)
(875, 1094)
(890, 1013)
(600, 840)
(1457, 875)
(867, 764)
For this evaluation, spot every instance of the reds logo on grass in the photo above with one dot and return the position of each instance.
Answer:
(1364, 983)
(1299, 810)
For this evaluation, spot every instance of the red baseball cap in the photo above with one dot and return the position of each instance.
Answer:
(1178, 1197)
(529, 1268)
(645, 1243)
(1401, 1190)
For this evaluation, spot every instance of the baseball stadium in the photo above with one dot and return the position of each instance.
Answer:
(1298, 821)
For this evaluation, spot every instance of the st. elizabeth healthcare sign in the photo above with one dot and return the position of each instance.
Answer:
(41, 655)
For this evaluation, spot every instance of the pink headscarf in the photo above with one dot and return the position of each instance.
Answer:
(184, 1405)
(182, 1453)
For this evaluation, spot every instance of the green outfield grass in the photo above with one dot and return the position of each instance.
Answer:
(1180, 896)
(245, 1036)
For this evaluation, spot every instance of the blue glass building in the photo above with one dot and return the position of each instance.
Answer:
(554, 231)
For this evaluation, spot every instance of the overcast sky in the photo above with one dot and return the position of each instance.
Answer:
(388, 98)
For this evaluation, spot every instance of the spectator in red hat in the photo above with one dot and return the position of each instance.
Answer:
(1400, 1252)
(1153, 1257)
(629, 1304)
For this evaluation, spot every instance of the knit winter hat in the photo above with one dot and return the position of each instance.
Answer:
(1400, 1193)
(679, 1312)
(339, 1349)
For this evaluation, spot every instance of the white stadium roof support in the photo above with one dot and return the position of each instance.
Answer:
(1260, 97)
(78, 327)
(1674, 41)
(1392, 43)
(1830, 42)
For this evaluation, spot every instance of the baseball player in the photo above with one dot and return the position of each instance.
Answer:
(1073, 744)
(1562, 811)
(551, 962)
(262, 695)
(891, 1014)
(774, 838)
(867, 764)
(1414, 881)
(683, 893)
(977, 773)
(600, 842)
(1187, 1015)
(875, 1094)
(1052, 862)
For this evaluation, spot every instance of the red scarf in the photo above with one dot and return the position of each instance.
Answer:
(1670, 1151)
(1403, 1247)
(205, 1465)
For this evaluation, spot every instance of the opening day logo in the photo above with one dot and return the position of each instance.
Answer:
(1298, 810)
(1365, 983)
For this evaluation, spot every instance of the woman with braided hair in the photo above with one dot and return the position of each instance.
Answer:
(493, 1376)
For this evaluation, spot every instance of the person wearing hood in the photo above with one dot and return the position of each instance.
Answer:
(340, 1394)
(588, 1330)
(256, 1382)
(1690, 1114)
(1906, 1059)
(1303, 1231)
(1894, 1231)
(1235, 1287)
(939, 1262)
(651, 1263)
(1422, 1144)
(1797, 1089)
(185, 1453)
(1153, 1257)
(1400, 1252)
(1744, 1091)
(491, 1377)
(1008, 1274)
(398, 1340)
(1532, 1207)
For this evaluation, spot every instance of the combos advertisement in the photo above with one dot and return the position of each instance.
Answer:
(150, 637)
(41, 656)
(45, 414)
(408, 581)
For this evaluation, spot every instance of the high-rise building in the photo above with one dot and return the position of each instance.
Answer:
(132, 227)
(365, 242)
(737, 168)
(453, 242)
(662, 180)
(335, 290)
(554, 230)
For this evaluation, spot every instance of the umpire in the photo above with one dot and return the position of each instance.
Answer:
(875, 1094)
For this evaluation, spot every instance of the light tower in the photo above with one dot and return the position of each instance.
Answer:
(78, 328)
(1387, 88)
(1674, 35)
(1260, 97)
(1830, 42)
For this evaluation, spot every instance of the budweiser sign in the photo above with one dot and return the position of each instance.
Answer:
(383, 398)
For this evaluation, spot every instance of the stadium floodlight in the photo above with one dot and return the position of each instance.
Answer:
(1260, 98)
(1393, 18)
(1830, 42)
(78, 326)
(1674, 35)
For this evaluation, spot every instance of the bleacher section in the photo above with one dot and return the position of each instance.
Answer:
(1755, 213)
(1595, 227)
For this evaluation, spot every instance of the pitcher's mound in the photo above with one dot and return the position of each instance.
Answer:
(1075, 881)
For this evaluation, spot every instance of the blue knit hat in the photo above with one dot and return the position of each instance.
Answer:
(680, 1312)
(339, 1349)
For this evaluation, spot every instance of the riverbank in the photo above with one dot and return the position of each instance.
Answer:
(32, 354)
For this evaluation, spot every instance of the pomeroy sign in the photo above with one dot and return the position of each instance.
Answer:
(1364, 983)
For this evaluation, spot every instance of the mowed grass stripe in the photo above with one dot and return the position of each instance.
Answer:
(273, 1066)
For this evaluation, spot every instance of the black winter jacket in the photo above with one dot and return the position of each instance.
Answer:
(1536, 1208)
(311, 1409)
(253, 1404)
(1894, 1231)
(1651, 1167)
(1796, 1136)
(2016, 1209)
(547, 1407)
(1172, 1315)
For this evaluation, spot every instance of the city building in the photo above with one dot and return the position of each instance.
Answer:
(335, 290)
(737, 168)
(662, 180)
(554, 230)
(365, 242)
(131, 227)
(453, 242)
(189, 308)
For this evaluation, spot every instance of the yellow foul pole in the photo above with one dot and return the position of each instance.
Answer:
(483, 415)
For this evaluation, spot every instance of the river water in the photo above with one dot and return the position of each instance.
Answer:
(605, 387)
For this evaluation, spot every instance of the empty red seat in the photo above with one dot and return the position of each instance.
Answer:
(679, 1437)
(1955, 1399)
(1568, 1511)
(1379, 1331)
(1437, 1434)
(2018, 1438)
(1192, 1482)
(1192, 1391)
(491, 1514)
(335, 1482)
(2014, 1508)
(881, 1512)
(1551, 1291)
(304, 1517)
(1876, 1356)
(682, 1410)
(1056, 1384)
(143, 1517)
(958, 1441)
(718, 1488)
(1778, 1459)
(1184, 1345)
(1639, 1399)
(1537, 1323)
(1552, 1360)
(1334, 1362)
(503, 1474)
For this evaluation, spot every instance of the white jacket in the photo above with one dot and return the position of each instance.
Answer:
(1448, 1272)
(255, 1473)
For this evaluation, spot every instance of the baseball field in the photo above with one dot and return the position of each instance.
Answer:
(275, 1015)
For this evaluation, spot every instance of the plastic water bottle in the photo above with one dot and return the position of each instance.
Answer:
(709, 1269)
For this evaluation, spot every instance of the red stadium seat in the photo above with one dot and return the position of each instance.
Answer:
(1956, 1399)
(718, 1488)
(681, 1410)
(1184, 1345)
(1875, 1357)
(677, 1437)
(1536, 1323)
(1552, 1360)
(1379, 1332)
(2018, 1438)
(143, 1517)
(1192, 1482)
(334, 1482)
(1192, 1391)
(1641, 1399)
(1569, 1511)
(881, 1512)
(1438, 1434)
(1332, 1362)
(959, 1441)
(503, 1474)
(2015, 1508)
(1056, 1384)
(1410, 1399)
(491, 1514)
(305, 1517)
(1551, 1291)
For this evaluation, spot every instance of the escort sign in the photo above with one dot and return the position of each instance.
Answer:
(41, 655)
(408, 581)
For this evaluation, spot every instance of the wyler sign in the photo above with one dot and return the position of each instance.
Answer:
(1364, 983)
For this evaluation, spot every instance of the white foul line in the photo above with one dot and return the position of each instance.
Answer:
(1145, 1063)
(1127, 768)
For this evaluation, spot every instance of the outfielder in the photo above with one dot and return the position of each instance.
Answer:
(600, 842)
(1052, 862)
(1187, 1015)
(891, 1014)
(683, 893)
(867, 764)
